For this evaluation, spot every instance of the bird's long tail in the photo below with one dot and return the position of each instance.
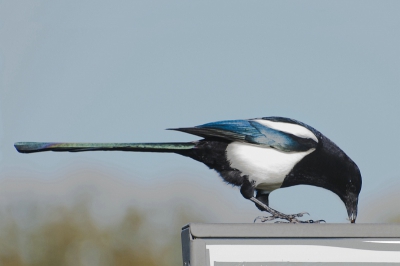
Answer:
(30, 147)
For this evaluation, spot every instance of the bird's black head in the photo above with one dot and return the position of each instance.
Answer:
(330, 168)
(349, 188)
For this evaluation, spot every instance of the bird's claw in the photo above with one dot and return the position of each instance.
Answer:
(298, 215)
(265, 218)
(289, 218)
(314, 222)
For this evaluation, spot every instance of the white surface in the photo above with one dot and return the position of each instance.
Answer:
(384, 242)
(297, 253)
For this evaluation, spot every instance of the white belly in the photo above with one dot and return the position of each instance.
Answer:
(265, 166)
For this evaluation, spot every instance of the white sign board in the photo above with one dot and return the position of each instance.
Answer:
(290, 244)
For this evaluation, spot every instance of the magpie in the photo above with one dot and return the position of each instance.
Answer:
(258, 155)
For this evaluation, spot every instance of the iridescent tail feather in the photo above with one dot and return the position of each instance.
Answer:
(31, 147)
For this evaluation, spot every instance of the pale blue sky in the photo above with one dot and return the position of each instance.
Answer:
(123, 71)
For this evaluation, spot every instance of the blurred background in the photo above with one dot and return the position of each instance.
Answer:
(123, 71)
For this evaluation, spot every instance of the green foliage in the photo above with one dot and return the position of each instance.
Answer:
(69, 236)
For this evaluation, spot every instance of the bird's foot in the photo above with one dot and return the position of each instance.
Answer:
(292, 218)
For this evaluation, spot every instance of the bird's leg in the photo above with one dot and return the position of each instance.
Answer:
(291, 218)
(262, 196)
(247, 189)
(261, 200)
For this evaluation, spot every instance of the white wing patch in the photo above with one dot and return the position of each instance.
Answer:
(294, 129)
(266, 166)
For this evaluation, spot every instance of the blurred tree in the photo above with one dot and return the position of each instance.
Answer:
(70, 236)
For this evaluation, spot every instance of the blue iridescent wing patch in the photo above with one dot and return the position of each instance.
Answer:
(280, 140)
(252, 132)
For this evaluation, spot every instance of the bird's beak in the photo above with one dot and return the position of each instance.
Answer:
(351, 206)
(352, 218)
